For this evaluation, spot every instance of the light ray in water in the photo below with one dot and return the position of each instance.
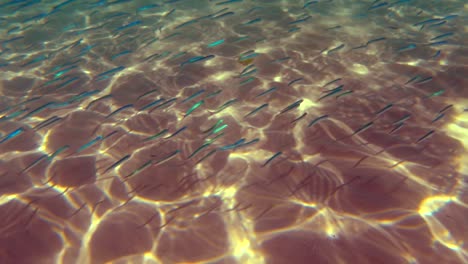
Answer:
(233, 131)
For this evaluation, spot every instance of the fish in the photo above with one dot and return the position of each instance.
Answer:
(403, 119)
(438, 117)
(294, 29)
(35, 60)
(197, 59)
(383, 110)
(38, 109)
(253, 141)
(120, 54)
(370, 42)
(34, 163)
(246, 73)
(89, 144)
(62, 4)
(217, 124)
(176, 102)
(253, 21)
(166, 103)
(198, 150)
(256, 110)
(248, 55)
(213, 94)
(445, 108)
(223, 15)
(436, 54)
(12, 134)
(194, 107)
(306, 5)
(216, 43)
(316, 120)
(128, 25)
(291, 106)
(139, 169)
(295, 81)
(427, 21)
(117, 163)
(331, 92)
(337, 48)
(298, 118)
(47, 122)
(233, 145)
(225, 105)
(408, 47)
(332, 82)
(435, 94)
(425, 80)
(109, 96)
(168, 157)
(378, 5)
(14, 114)
(270, 90)
(396, 128)
(228, 2)
(213, 151)
(119, 110)
(146, 7)
(109, 73)
(448, 34)
(177, 132)
(63, 71)
(153, 103)
(439, 43)
(344, 94)
(246, 81)
(413, 79)
(190, 22)
(359, 130)
(157, 135)
(425, 136)
(216, 130)
(57, 152)
(277, 154)
(194, 95)
(147, 93)
(282, 59)
(300, 20)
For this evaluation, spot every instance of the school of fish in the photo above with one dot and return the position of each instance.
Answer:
(233, 131)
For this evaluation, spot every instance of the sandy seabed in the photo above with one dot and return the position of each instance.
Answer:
(348, 159)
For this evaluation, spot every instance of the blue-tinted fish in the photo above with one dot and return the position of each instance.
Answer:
(256, 110)
(197, 59)
(292, 106)
(109, 73)
(448, 34)
(119, 110)
(120, 54)
(216, 43)
(234, 145)
(272, 89)
(128, 25)
(13, 134)
(407, 47)
(90, 143)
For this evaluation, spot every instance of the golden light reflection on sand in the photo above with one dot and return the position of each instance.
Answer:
(331, 190)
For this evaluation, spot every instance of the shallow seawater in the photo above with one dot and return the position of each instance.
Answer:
(236, 131)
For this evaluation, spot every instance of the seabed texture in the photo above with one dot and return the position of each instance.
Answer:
(233, 132)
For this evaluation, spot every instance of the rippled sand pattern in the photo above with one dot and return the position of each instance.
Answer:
(116, 148)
